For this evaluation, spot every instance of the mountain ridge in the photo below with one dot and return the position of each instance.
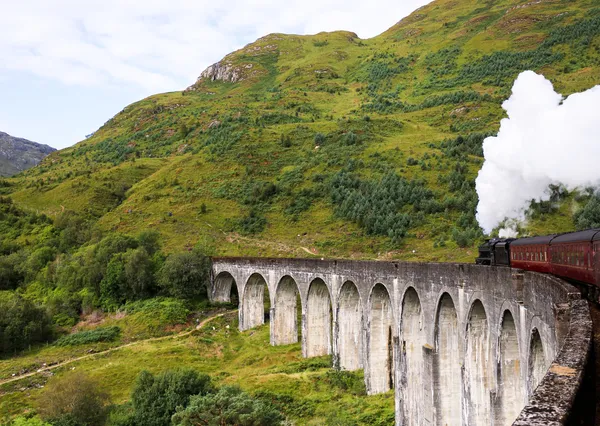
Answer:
(18, 154)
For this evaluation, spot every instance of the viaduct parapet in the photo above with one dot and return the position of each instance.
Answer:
(460, 344)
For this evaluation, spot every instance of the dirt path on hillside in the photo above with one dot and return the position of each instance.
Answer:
(116, 348)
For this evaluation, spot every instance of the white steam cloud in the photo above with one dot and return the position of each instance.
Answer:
(545, 140)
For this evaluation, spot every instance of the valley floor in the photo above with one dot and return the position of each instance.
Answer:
(306, 390)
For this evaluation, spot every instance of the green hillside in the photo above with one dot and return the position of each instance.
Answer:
(327, 143)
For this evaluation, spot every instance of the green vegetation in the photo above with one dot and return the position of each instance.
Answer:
(589, 216)
(252, 166)
(101, 334)
(74, 400)
(303, 391)
(229, 406)
(22, 324)
(155, 398)
(327, 144)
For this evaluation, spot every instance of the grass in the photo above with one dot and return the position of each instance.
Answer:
(306, 390)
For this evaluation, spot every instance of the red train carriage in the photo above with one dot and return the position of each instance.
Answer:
(573, 255)
(532, 254)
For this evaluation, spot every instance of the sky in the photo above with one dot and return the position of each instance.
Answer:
(67, 66)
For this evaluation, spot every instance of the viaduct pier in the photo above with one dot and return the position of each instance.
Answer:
(459, 344)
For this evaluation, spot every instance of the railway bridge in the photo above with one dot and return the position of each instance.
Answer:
(459, 344)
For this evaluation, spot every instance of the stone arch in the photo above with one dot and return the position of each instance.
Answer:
(350, 328)
(412, 339)
(510, 393)
(447, 364)
(380, 342)
(253, 302)
(225, 288)
(537, 364)
(477, 378)
(318, 319)
(284, 326)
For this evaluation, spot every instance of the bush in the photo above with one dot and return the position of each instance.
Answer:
(155, 398)
(346, 381)
(229, 406)
(253, 223)
(155, 315)
(101, 334)
(28, 421)
(466, 237)
(74, 400)
(589, 216)
(319, 139)
(185, 275)
(22, 323)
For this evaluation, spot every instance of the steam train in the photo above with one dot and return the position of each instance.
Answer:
(574, 256)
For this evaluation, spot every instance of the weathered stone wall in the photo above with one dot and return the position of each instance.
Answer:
(460, 344)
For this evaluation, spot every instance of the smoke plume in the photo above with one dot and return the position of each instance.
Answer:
(545, 140)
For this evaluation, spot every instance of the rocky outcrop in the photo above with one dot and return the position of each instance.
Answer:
(224, 72)
(18, 154)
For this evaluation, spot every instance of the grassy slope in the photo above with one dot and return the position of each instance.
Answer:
(231, 357)
(138, 171)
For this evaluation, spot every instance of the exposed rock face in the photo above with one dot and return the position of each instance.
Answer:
(224, 72)
(18, 154)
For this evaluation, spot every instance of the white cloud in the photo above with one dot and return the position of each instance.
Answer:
(163, 45)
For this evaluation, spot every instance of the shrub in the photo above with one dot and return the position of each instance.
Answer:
(22, 323)
(156, 314)
(229, 406)
(346, 381)
(319, 139)
(155, 398)
(28, 421)
(466, 237)
(101, 334)
(74, 400)
(185, 275)
(253, 223)
(589, 216)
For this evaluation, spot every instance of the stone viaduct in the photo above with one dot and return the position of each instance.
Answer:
(460, 344)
